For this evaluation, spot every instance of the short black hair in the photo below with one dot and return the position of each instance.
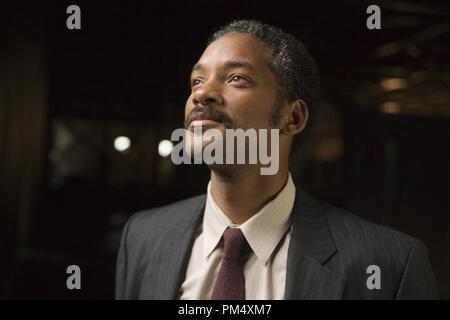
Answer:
(292, 65)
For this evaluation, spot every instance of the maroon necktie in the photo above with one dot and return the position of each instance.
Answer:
(230, 281)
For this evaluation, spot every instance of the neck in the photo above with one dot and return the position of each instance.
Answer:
(242, 192)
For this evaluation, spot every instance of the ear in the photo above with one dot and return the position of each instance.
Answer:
(296, 117)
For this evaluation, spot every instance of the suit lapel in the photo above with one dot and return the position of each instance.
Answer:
(168, 271)
(307, 276)
(311, 245)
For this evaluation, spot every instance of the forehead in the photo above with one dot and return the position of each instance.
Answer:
(237, 47)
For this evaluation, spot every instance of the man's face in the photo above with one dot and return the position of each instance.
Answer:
(232, 86)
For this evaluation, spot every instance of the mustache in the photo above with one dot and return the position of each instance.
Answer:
(210, 113)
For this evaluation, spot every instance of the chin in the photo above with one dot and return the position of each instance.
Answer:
(223, 170)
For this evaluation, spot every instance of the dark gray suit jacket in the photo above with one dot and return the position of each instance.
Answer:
(328, 255)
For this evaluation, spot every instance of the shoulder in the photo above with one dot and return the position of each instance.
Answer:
(365, 243)
(364, 247)
(351, 232)
(166, 214)
(144, 235)
(159, 219)
(148, 230)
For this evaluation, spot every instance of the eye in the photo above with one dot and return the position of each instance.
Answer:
(238, 78)
(195, 82)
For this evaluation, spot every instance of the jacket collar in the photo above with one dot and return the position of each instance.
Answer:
(310, 247)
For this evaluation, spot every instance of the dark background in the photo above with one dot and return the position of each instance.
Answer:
(380, 146)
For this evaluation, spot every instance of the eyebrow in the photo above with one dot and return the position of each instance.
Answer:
(233, 64)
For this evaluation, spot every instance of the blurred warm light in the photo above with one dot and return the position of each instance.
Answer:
(390, 107)
(328, 149)
(165, 148)
(391, 84)
(328, 145)
(122, 143)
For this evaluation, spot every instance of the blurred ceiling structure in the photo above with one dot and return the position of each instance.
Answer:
(132, 62)
(405, 68)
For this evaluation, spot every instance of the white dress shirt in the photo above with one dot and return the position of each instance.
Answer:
(268, 233)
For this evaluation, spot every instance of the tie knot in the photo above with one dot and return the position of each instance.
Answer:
(235, 245)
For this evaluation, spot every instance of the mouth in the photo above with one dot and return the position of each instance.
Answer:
(204, 121)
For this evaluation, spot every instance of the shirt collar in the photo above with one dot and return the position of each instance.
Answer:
(263, 231)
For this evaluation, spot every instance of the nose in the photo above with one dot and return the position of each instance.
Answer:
(208, 93)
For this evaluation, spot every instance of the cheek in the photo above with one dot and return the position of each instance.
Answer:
(251, 111)
(188, 107)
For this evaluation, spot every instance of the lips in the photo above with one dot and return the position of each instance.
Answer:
(203, 119)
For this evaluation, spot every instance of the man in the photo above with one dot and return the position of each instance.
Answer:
(255, 236)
